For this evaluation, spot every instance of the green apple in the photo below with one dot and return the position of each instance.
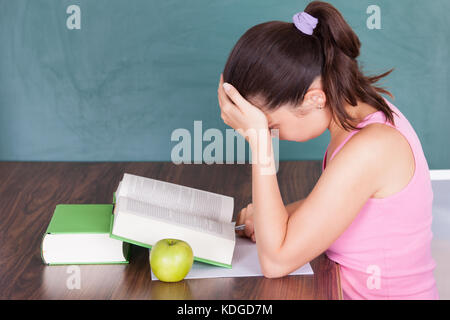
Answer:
(171, 259)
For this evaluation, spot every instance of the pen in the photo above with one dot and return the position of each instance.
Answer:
(240, 227)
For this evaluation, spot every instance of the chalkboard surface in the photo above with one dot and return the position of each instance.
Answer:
(116, 89)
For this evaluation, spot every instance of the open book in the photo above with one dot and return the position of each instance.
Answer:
(148, 210)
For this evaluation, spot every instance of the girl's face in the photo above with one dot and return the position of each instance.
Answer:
(303, 122)
(300, 124)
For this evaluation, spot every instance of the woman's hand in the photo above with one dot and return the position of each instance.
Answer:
(238, 113)
(246, 217)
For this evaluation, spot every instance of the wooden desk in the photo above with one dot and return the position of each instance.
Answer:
(29, 192)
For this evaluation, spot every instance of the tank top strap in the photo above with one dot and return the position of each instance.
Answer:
(376, 117)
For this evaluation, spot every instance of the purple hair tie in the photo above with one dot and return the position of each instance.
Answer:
(305, 22)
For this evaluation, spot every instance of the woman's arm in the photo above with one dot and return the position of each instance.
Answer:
(292, 207)
(341, 192)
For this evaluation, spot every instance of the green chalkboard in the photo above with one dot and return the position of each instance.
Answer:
(116, 89)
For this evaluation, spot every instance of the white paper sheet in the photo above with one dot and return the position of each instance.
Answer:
(245, 264)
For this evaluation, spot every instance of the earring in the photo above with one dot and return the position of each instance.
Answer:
(320, 103)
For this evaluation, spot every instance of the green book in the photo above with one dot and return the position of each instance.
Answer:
(79, 234)
(148, 210)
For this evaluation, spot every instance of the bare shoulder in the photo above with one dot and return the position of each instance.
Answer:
(394, 163)
(375, 137)
(369, 149)
(382, 132)
(389, 140)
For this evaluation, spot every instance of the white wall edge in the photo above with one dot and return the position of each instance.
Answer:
(440, 174)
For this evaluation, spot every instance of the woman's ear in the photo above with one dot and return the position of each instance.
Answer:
(315, 99)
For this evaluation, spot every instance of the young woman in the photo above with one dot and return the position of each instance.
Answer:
(370, 211)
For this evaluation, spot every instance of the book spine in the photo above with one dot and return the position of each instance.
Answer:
(42, 248)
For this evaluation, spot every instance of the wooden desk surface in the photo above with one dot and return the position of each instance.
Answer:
(29, 192)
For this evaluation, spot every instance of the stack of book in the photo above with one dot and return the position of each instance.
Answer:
(143, 211)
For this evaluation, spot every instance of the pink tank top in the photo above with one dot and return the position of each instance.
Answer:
(386, 252)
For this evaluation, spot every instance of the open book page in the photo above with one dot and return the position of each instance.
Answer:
(177, 198)
(196, 223)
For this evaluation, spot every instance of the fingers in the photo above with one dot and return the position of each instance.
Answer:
(245, 217)
(241, 216)
(249, 229)
(249, 226)
(240, 220)
(220, 94)
(226, 104)
(235, 96)
(228, 109)
(222, 101)
(223, 98)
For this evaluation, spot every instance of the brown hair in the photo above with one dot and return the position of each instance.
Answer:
(278, 62)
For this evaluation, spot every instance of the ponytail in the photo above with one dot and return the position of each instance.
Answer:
(341, 76)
